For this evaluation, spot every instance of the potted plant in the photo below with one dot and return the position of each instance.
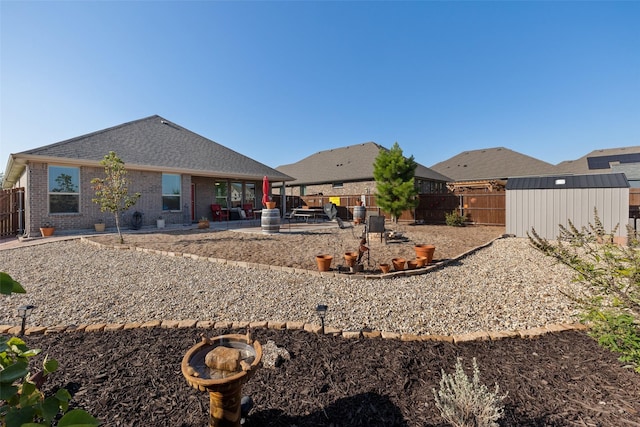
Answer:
(99, 225)
(47, 229)
(203, 222)
(160, 222)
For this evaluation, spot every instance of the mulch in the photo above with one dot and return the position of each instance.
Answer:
(133, 378)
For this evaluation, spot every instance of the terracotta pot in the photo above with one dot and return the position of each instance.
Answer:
(324, 262)
(398, 263)
(350, 258)
(46, 231)
(99, 226)
(203, 224)
(270, 205)
(421, 260)
(412, 264)
(425, 251)
(385, 268)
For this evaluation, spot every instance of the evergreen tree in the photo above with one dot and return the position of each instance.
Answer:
(394, 174)
(112, 193)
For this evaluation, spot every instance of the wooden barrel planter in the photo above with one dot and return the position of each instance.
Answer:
(270, 221)
(358, 214)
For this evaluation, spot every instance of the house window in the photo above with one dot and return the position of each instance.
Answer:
(171, 192)
(337, 185)
(250, 193)
(64, 189)
(221, 193)
(236, 194)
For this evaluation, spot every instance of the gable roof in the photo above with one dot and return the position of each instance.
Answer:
(599, 161)
(492, 163)
(345, 164)
(610, 180)
(152, 143)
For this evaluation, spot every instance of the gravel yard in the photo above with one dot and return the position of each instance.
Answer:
(505, 286)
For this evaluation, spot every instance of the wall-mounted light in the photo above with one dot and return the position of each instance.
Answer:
(321, 309)
(24, 311)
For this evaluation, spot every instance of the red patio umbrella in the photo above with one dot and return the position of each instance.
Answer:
(265, 191)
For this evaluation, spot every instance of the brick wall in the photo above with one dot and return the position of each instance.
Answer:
(149, 184)
(348, 188)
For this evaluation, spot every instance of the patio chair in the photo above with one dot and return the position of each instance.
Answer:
(248, 210)
(218, 213)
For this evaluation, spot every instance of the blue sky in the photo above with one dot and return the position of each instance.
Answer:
(279, 81)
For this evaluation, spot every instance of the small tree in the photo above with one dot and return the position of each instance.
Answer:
(394, 175)
(112, 193)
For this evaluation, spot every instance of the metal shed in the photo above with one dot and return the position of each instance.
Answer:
(545, 202)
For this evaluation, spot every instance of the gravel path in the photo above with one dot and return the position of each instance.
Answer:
(505, 286)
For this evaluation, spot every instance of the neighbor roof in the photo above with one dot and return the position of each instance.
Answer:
(345, 164)
(610, 180)
(152, 143)
(599, 161)
(492, 163)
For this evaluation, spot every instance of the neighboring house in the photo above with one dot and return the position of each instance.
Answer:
(489, 168)
(623, 159)
(179, 174)
(348, 171)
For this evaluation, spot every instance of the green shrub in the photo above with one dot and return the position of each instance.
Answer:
(612, 275)
(454, 219)
(467, 403)
(21, 401)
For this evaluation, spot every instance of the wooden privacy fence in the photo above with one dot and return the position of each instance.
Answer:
(480, 208)
(11, 212)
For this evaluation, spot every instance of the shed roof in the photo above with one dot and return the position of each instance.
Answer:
(611, 180)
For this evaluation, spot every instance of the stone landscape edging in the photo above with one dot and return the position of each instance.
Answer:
(297, 326)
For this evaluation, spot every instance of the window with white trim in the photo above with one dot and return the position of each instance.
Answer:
(64, 189)
(171, 192)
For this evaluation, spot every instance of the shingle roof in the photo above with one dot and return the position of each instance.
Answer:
(609, 180)
(155, 142)
(595, 160)
(345, 164)
(492, 163)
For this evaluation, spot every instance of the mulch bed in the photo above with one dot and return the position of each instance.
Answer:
(133, 378)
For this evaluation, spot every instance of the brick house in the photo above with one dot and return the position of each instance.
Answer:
(179, 174)
(348, 171)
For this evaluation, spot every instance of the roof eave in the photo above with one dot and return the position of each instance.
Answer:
(17, 163)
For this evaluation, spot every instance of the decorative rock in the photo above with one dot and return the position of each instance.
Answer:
(223, 358)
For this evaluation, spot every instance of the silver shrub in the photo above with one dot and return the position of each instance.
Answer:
(467, 403)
